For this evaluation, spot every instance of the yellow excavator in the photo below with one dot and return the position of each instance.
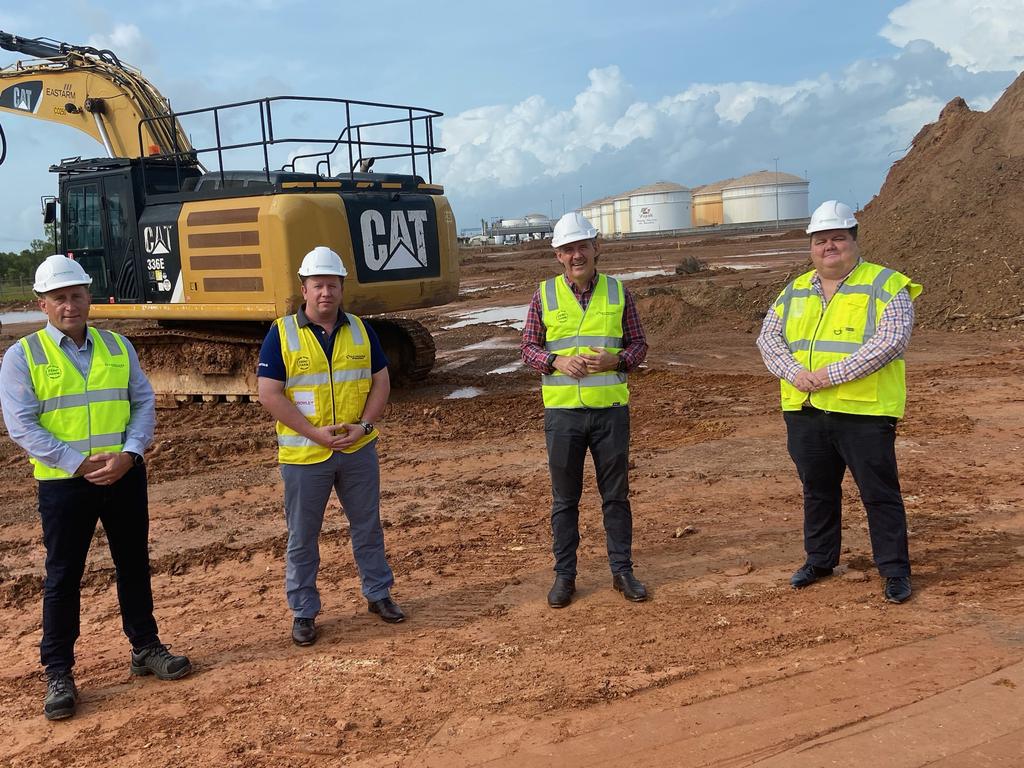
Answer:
(208, 256)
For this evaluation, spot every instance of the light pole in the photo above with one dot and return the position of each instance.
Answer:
(581, 197)
(563, 203)
(776, 194)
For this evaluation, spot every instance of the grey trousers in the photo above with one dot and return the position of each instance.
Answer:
(355, 477)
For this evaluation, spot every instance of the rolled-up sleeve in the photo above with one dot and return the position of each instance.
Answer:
(889, 342)
(532, 348)
(774, 351)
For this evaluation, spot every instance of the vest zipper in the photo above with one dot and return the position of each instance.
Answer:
(85, 382)
(330, 374)
(583, 317)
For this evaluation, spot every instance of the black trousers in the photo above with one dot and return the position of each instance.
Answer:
(569, 433)
(69, 510)
(823, 445)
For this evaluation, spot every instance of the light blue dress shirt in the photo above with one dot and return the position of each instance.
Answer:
(21, 406)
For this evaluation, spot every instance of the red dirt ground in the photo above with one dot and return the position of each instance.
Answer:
(726, 666)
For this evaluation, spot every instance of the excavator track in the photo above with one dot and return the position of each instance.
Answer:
(209, 365)
(408, 345)
(186, 365)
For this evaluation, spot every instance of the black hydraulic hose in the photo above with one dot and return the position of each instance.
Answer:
(3, 146)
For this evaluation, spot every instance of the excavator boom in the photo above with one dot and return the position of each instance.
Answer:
(93, 91)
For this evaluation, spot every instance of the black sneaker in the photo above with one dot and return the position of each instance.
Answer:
(807, 574)
(304, 631)
(61, 696)
(158, 660)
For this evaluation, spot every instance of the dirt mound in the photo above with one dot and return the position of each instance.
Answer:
(670, 311)
(949, 215)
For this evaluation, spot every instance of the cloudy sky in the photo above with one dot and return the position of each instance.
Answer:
(547, 102)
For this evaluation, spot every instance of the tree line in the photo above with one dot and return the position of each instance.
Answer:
(22, 264)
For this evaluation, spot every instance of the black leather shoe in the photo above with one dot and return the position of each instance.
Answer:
(561, 592)
(807, 574)
(387, 609)
(629, 586)
(304, 631)
(897, 589)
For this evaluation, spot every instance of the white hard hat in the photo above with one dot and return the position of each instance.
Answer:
(322, 261)
(572, 228)
(831, 215)
(58, 271)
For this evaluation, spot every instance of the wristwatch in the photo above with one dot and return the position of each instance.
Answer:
(621, 367)
(367, 426)
(137, 459)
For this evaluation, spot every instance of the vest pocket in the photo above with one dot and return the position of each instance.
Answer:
(305, 401)
(863, 390)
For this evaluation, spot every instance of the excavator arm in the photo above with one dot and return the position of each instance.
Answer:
(93, 91)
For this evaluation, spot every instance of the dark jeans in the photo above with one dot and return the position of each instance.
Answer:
(69, 510)
(822, 445)
(569, 432)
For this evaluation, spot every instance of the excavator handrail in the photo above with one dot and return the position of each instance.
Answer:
(350, 136)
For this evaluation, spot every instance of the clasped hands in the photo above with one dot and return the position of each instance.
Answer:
(812, 381)
(338, 437)
(105, 468)
(578, 366)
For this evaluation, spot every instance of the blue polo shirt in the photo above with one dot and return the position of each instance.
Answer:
(271, 365)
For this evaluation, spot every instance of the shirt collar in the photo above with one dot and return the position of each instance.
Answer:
(588, 289)
(816, 279)
(304, 321)
(58, 336)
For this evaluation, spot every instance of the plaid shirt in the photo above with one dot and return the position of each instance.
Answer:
(889, 342)
(634, 342)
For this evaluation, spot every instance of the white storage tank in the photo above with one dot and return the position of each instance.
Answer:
(607, 225)
(622, 223)
(513, 222)
(534, 219)
(707, 203)
(764, 196)
(592, 213)
(659, 207)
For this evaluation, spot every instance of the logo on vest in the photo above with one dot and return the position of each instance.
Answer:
(52, 372)
(302, 363)
(562, 316)
(356, 357)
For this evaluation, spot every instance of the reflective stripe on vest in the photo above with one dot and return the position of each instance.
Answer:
(325, 391)
(818, 338)
(568, 331)
(89, 414)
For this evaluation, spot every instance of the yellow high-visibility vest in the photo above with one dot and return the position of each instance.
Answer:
(325, 391)
(818, 338)
(570, 331)
(89, 414)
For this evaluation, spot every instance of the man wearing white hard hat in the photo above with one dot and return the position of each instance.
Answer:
(836, 337)
(583, 335)
(324, 377)
(75, 398)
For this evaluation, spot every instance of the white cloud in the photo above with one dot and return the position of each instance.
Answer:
(980, 36)
(126, 41)
(843, 129)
